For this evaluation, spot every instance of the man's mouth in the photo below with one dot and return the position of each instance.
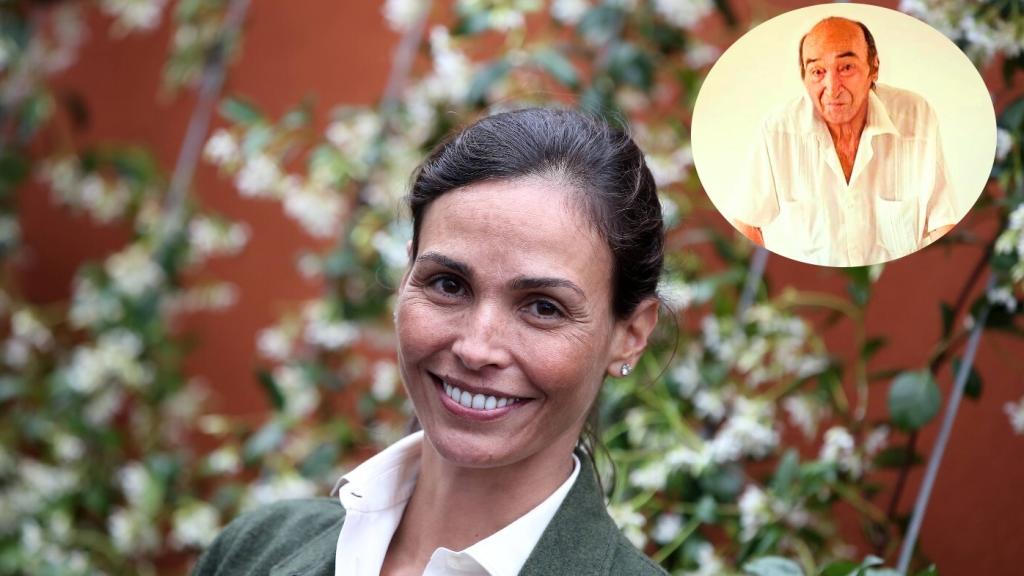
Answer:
(477, 401)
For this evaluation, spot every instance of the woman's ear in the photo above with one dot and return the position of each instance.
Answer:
(631, 335)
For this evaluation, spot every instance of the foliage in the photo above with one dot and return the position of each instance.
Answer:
(89, 483)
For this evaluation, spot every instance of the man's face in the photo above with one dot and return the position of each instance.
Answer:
(836, 71)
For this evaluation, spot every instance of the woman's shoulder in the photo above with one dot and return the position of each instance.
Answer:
(258, 540)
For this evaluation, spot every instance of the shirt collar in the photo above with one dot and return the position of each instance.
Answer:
(383, 481)
(387, 480)
(878, 120)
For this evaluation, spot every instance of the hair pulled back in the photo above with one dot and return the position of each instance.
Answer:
(601, 164)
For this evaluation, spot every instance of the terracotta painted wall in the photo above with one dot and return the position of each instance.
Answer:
(340, 52)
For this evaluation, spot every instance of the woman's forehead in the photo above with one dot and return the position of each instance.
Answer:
(530, 223)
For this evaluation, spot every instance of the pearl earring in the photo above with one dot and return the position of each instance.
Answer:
(625, 369)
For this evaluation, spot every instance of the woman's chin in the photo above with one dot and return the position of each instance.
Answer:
(470, 450)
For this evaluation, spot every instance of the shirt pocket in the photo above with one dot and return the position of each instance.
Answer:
(896, 226)
(803, 227)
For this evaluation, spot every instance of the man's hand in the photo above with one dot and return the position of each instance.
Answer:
(753, 233)
(937, 233)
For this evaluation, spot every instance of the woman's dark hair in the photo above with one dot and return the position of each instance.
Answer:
(601, 164)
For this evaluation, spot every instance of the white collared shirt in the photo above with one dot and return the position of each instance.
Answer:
(374, 495)
(898, 191)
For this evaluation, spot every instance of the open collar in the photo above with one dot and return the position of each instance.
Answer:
(878, 120)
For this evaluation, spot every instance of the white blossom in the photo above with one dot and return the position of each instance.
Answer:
(666, 528)
(68, 448)
(134, 15)
(452, 72)
(804, 413)
(259, 177)
(689, 459)
(700, 54)
(385, 381)
(684, 13)
(10, 231)
(569, 11)
(101, 409)
(840, 449)
(1003, 296)
(224, 460)
(354, 133)
(651, 476)
(755, 511)
(630, 522)
(131, 532)
(392, 245)
(285, 486)
(135, 482)
(114, 358)
(325, 331)
(708, 563)
(300, 394)
(210, 237)
(195, 525)
(1015, 411)
(1004, 143)
(222, 148)
(709, 405)
(318, 210)
(274, 343)
(91, 307)
(668, 169)
(748, 431)
(402, 14)
(876, 440)
(133, 271)
(26, 326)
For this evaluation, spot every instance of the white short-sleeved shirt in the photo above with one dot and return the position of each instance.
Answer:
(899, 191)
(374, 495)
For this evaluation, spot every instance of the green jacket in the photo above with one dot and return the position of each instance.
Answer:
(299, 538)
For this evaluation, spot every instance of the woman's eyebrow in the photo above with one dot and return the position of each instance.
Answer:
(447, 262)
(524, 283)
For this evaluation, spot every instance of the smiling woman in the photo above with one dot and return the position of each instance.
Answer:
(536, 253)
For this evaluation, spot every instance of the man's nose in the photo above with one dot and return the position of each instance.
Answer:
(483, 340)
(832, 83)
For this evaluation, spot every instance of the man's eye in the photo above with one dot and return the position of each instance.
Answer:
(817, 73)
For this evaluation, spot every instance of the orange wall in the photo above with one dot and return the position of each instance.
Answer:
(339, 52)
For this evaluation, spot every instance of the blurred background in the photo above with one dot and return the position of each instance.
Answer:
(201, 230)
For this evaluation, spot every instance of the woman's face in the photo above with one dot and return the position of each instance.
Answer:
(504, 323)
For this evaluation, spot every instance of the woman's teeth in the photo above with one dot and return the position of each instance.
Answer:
(476, 401)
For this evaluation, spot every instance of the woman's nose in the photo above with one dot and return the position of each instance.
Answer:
(482, 339)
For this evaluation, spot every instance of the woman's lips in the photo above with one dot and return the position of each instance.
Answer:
(477, 406)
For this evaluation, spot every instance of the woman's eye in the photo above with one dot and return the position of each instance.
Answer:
(545, 309)
(447, 286)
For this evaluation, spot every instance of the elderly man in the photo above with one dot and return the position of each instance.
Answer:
(852, 172)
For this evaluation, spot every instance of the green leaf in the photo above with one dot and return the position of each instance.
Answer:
(843, 568)
(707, 509)
(600, 25)
(871, 347)
(240, 111)
(859, 287)
(555, 63)
(972, 389)
(256, 139)
(485, 80)
(1012, 116)
(772, 566)
(947, 318)
(896, 457)
(273, 393)
(265, 440)
(629, 65)
(914, 399)
(929, 571)
(786, 472)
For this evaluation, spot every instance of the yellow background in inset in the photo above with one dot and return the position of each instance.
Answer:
(760, 73)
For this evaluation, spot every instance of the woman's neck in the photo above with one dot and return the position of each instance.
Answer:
(455, 507)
